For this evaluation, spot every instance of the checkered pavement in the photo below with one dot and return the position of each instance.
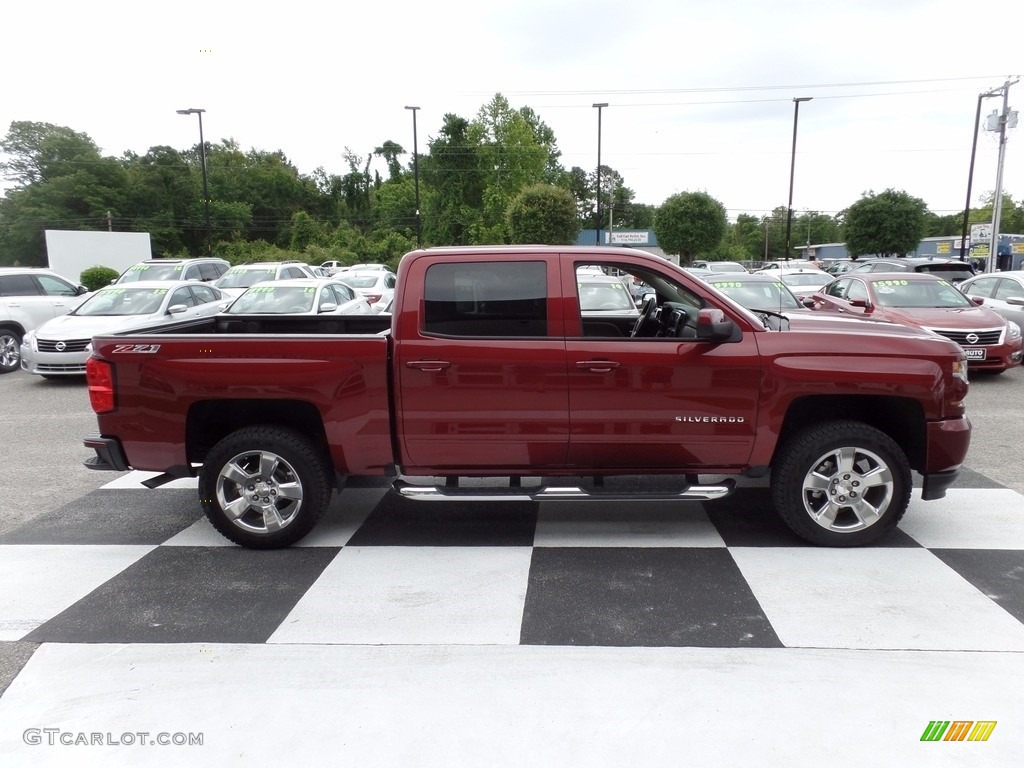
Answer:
(626, 599)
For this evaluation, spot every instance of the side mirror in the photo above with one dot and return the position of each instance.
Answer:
(327, 308)
(808, 301)
(862, 303)
(714, 325)
(176, 309)
(977, 301)
(81, 290)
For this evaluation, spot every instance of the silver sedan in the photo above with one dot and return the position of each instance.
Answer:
(60, 347)
(1002, 292)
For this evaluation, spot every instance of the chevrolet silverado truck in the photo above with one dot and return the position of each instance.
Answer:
(489, 368)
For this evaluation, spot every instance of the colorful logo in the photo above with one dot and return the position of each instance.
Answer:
(958, 730)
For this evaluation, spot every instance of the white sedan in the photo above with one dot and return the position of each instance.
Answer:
(60, 347)
(301, 296)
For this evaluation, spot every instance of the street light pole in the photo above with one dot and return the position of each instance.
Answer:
(599, 108)
(792, 169)
(970, 173)
(997, 203)
(202, 157)
(416, 178)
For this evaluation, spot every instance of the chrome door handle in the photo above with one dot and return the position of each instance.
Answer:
(430, 366)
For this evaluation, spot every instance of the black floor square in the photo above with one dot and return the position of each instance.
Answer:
(118, 516)
(997, 573)
(398, 522)
(191, 595)
(641, 597)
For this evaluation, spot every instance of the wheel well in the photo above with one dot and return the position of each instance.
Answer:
(900, 418)
(16, 327)
(210, 421)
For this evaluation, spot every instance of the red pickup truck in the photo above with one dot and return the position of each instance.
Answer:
(488, 367)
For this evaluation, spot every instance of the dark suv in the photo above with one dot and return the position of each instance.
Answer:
(952, 270)
(205, 269)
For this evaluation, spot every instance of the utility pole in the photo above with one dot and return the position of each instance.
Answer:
(1002, 120)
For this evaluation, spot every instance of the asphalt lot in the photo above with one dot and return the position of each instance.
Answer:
(45, 420)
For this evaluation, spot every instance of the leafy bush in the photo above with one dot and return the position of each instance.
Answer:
(97, 277)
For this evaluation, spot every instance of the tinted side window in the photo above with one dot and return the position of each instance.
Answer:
(204, 294)
(837, 288)
(53, 286)
(980, 287)
(18, 285)
(486, 299)
(857, 291)
(1008, 288)
(182, 296)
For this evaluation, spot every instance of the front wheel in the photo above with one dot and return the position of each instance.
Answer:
(10, 350)
(264, 487)
(841, 484)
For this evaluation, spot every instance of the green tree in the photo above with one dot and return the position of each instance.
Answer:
(890, 223)
(543, 213)
(452, 171)
(61, 182)
(689, 223)
(391, 151)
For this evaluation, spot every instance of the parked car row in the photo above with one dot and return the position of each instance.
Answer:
(983, 313)
(47, 324)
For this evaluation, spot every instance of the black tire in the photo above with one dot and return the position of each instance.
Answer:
(841, 484)
(10, 350)
(264, 487)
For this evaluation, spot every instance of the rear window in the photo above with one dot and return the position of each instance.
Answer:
(486, 299)
(952, 272)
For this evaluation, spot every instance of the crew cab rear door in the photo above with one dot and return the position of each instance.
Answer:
(480, 365)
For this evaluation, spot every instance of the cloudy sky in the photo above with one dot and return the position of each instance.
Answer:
(700, 94)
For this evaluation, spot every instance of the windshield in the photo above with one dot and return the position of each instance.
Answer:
(274, 299)
(152, 272)
(123, 301)
(763, 294)
(919, 293)
(240, 277)
(609, 296)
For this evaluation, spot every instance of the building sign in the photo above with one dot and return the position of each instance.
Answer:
(1016, 247)
(981, 233)
(630, 238)
(942, 247)
(981, 251)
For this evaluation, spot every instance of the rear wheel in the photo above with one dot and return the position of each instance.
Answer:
(841, 484)
(10, 350)
(264, 487)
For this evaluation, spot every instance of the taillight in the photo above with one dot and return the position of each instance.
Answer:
(100, 376)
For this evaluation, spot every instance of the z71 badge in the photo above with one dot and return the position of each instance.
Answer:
(136, 349)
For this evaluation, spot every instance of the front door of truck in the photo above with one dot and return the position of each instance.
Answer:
(481, 378)
(659, 400)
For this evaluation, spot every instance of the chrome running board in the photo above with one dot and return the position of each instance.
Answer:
(559, 493)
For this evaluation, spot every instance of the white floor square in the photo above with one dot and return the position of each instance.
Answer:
(133, 481)
(414, 595)
(873, 598)
(40, 581)
(983, 518)
(624, 524)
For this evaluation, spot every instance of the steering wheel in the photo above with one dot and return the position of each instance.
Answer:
(647, 311)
